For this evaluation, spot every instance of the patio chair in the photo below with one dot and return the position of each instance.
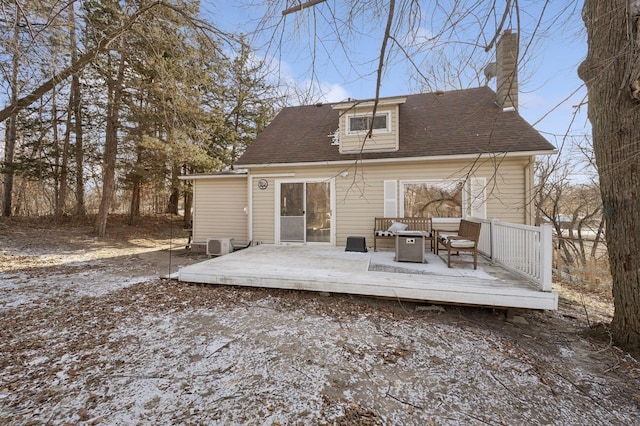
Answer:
(466, 240)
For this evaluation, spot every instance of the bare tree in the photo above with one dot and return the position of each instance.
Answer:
(104, 43)
(611, 73)
(551, 197)
(10, 137)
(74, 118)
(115, 89)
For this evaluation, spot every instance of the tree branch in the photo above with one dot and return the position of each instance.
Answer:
(383, 51)
(301, 6)
(83, 61)
(489, 46)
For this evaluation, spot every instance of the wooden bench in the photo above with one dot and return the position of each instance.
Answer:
(465, 239)
(382, 224)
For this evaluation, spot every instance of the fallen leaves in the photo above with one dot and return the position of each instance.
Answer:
(164, 352)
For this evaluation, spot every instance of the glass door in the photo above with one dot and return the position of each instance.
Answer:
(305, 212)
(318, 223)
(292, 225)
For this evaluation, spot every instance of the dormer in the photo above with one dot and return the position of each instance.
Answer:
(355, 122)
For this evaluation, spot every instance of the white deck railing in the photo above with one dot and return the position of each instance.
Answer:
(523, 249)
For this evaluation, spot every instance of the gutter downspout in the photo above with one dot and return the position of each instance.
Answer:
(529, 205)
(249, 207)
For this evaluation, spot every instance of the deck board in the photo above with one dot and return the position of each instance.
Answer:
(332, 270)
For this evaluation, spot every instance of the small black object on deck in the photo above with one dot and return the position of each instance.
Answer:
(356, 244)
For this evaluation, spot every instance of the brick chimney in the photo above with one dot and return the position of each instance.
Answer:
(507, 71)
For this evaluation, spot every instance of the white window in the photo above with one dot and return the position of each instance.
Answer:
(362, 123)
(436, 198)
(432, 198)
(444, 198)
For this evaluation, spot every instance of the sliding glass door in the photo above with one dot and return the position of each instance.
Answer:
(305, 212)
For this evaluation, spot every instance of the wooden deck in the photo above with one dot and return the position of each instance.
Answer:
(331, 269)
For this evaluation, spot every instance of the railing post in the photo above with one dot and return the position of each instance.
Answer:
(546, 255)
(493, 231)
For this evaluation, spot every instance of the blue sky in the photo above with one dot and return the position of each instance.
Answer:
(342, 65)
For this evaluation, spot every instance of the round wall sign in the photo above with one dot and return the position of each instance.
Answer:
(263, 184)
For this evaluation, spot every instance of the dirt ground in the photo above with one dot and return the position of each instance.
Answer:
(91, 334)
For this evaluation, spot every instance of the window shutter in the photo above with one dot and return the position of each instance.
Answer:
(477, 194)
(390, 198)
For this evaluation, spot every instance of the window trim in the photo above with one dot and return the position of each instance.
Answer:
(386, 114)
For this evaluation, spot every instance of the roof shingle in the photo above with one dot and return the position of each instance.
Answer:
(432, 124)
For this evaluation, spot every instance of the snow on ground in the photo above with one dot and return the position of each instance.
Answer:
(162, 352)
(91, 283)
(72, 273)
(91, 339)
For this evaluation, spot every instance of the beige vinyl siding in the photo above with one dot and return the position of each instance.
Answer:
(218, 209)
(356, 210)
(360, 195)
(380, 141)
(505, 182)
(263, 210)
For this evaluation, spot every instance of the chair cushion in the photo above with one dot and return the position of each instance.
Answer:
(384, 234)
(462, 244)
(445, 237)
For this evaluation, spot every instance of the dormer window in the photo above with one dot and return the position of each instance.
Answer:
(357, 118)
(362, 123)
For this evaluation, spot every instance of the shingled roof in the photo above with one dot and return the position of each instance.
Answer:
(433, 124)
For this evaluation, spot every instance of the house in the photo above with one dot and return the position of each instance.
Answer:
(317, 175)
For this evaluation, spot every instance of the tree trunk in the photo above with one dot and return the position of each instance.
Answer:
(136, 178)
(611, 65)
(9, 153)
(174, 197)
(11, 134)
(76, 108)
(20, 196)
(596, 242)
(188, 203)
(61, 198)
(134, 208)
(80, 209)
(110, 146)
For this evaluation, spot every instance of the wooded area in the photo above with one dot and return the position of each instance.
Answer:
(134, 95)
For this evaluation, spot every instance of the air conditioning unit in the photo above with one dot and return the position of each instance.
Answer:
(219, 246)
